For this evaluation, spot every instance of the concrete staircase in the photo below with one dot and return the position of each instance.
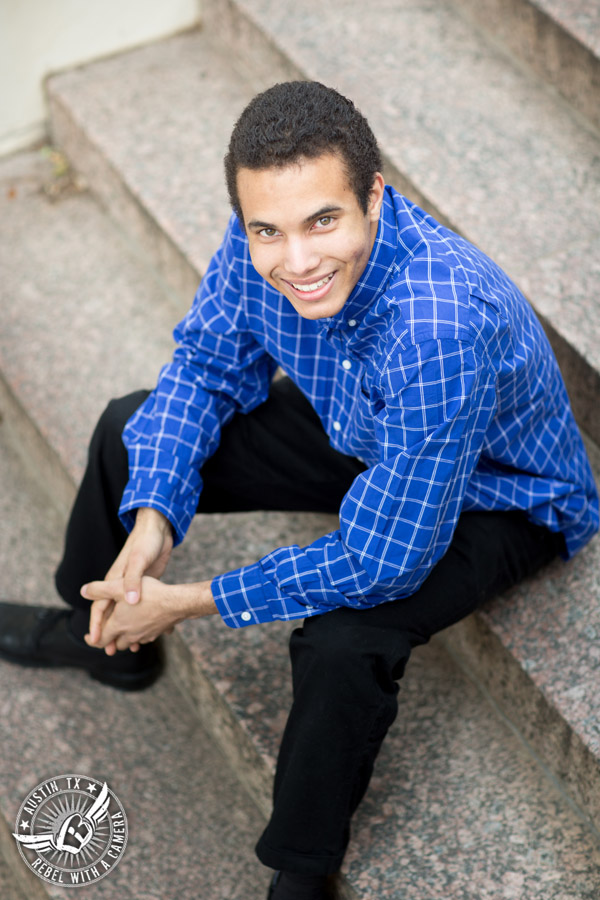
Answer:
(489, 784)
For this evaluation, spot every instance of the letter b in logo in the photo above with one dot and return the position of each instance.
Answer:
(74, 834)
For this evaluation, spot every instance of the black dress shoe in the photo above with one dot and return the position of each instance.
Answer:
(41, 636)
(273, 884)
(327, 891)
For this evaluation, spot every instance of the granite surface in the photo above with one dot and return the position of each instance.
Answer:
(458, 808)
(488, 148)
(470, 134)
(580, 17)
(149, 130)
(557, 39)
(491, 150)
(83, 318)
(191, 827)
(9, 888)
(536, 650)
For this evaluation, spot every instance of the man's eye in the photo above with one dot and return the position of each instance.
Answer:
(324, 221)
(268, 232)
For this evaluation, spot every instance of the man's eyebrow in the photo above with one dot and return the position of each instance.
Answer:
(324, 211)
(256, 224)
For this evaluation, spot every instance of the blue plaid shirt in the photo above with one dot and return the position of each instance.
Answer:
(436, 373)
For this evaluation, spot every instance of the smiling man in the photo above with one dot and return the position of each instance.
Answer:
(422, 404)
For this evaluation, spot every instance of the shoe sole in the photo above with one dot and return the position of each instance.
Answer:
(123, 681)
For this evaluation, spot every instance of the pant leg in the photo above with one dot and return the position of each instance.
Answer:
(345, 667)
(277, 457)
(95, 535)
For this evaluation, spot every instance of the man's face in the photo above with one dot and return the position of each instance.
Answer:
(307, 234)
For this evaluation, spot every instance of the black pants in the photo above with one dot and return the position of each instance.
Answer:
(346, 663)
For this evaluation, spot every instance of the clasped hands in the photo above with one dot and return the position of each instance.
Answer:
(131, 606)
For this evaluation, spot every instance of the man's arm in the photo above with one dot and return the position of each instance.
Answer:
(218, 368)
(398, 517)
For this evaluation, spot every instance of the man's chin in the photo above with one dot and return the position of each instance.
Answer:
(317, 309)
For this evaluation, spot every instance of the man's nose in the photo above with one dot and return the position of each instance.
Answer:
(301, 256)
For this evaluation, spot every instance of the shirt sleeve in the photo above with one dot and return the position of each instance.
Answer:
(217, 369)
(398, 518)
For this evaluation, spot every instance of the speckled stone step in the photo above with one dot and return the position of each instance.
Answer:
(63, 392)
(464, 130)
(84, 92)
(148, 130)
(83, 316)
(536, 650)
(467, 133)
(9, 886)
(559, 39)
(458, 806)
(192, 826)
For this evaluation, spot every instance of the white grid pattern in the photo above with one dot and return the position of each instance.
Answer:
(450, 393)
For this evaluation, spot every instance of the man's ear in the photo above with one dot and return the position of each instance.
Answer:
(376, 198)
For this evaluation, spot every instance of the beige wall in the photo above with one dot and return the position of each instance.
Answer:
(42, 36)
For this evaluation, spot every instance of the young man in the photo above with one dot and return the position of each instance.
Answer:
(423, 404)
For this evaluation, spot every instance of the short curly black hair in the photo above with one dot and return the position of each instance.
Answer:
(302, 119)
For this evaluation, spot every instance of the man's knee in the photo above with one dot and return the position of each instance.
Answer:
(341, 647)
(111, 424)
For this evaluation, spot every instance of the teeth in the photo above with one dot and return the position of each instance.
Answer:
(309, 288)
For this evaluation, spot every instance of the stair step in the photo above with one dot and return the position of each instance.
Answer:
(148, 130)
(146, 172)
(84, 318)
(9, 886)
(467, 133)
(458, 806)
(538, 147)
(192, 827)
(561, 41)
(536, 650)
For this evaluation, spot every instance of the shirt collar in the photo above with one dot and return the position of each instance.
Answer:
(380, 266)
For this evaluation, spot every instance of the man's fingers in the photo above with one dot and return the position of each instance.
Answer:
(121, 643)
(98, 611)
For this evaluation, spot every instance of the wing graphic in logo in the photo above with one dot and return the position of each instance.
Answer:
(73, 832)
(39, 842)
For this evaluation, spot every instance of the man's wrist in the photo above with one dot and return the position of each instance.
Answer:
(194, 601)
(148, 516)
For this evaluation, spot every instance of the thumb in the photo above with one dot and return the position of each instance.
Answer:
(132, 577)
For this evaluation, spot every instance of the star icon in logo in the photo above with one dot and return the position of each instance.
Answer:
(92, 787)
(24, 824)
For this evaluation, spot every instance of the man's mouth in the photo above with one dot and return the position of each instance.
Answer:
(313, 286)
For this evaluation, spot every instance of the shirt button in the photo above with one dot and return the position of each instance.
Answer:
(246, 616)
(337, 426)
(347, 364)
(351, 322)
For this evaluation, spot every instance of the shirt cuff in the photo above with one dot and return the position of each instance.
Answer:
(245, 597)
